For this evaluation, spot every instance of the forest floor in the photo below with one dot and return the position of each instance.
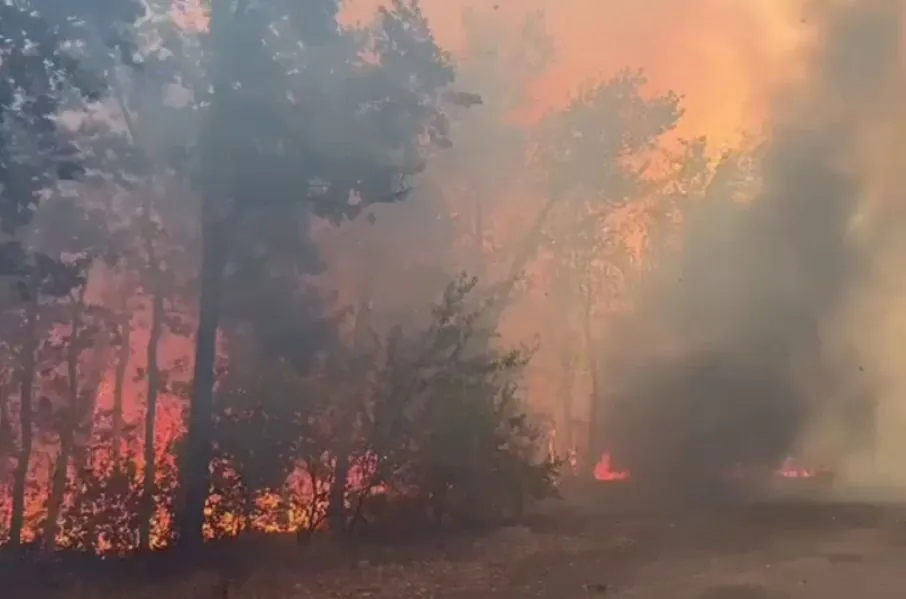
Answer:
(577, 548)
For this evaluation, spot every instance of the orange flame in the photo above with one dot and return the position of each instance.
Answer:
(605, 472)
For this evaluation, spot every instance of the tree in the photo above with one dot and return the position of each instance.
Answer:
(600, 150)
(155, 254)
(596, 161)
(370, 96)
(600, 253)
(46, 282)
(38, 73)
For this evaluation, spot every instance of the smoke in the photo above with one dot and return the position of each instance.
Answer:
(774, 331)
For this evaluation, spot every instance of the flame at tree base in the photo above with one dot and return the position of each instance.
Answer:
(605, 472)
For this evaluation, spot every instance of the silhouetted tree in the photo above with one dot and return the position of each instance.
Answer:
(301, 110)
(42, 50)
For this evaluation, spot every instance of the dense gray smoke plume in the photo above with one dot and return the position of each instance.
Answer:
(738, 349)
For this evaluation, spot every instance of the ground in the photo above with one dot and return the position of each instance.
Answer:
(588, 547)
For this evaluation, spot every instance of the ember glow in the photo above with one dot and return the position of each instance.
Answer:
(789, 469)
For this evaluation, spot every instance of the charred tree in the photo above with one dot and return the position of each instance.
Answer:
(69, 422)
(149, 486)
(123, 358)
(27, 364)
(196, 475)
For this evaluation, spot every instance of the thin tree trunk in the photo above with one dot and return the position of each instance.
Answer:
(67, 435)
(566, 440)
(119, 384)
(122, 364)
(26, 417)
(148, 486)
(524, 253)
(336, 506)
(82, 447)
(594, 441)
(7, 442)
(58, 484)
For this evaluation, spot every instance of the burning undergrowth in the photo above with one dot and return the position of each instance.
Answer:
(737, 343)
(429, 434)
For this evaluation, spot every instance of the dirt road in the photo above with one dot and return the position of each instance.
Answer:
(576, 550)
(845, 560)
(782, 550)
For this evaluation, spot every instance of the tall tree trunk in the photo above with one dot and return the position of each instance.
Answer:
(119, 383)
(148, 486)
(58, 480)
(567, 434)
(7, 439)
(82, 447)
(336, 503)
(594, 425)
(70, 423)
(527, 249)
(336, 506)
(195, 473)
(26, 416)
(218, 218)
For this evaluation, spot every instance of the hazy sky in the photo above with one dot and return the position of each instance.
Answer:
(725, 56)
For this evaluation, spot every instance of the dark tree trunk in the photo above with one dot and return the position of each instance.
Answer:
(219, 216)
(594, 425)
(82, 446)
(7, 438)
(566, 440)
(148, 485)
(195, 473)
(58, 480)
(337, 516)
(527, 249)
(69, 425)
(26, 418)
(119, 384)
(336, 506)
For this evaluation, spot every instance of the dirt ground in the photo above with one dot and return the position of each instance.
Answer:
(595, 547)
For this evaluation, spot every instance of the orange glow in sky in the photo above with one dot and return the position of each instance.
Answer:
(724, 56)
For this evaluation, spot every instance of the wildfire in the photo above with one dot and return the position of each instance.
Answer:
(589, 42)
(605, 472)
(99, 508)
(789, 469)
